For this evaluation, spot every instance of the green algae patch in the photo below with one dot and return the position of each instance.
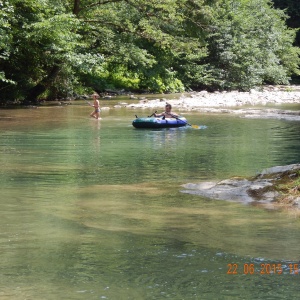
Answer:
(289, 189)
(285, 184)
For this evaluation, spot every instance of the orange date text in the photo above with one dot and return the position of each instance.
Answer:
(262, 269)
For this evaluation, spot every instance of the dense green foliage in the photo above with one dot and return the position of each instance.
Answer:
(292, 8)
(250, 45)
(54, 48)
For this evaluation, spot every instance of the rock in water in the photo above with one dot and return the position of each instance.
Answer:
(260, 189)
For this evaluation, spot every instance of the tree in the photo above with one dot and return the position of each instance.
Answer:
(292, 9)
(55, 48)
(249, 44)
(6, 13)
(44, 44)
(55, 45)
(143, 39)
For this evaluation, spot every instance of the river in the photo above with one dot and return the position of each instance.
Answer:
(94, 210)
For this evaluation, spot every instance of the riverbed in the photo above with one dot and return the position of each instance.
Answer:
(93, 209)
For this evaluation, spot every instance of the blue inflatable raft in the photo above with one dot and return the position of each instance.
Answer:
(152, 122)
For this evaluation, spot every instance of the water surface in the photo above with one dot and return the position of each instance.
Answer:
(93, 209)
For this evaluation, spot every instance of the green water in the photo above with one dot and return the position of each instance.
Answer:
(93, 209)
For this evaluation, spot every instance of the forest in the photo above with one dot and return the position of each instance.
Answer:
(51, 49)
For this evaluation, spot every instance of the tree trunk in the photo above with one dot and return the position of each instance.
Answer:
(76, 8)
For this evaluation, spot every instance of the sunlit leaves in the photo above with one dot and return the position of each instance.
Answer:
(55, 34)
(249, 45)
(6, 13)
(155, 45)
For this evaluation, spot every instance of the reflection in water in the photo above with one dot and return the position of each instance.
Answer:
(165, 138)
(96, 132)
(93, 210)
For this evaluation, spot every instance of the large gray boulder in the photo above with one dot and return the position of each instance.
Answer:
(260, 188)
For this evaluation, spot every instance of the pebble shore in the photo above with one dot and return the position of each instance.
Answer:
(251, 104)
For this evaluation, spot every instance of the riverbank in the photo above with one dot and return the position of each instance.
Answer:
(277, 187)
(240, 103)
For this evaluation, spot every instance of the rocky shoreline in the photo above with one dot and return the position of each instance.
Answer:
(239, 103)
(267, 189)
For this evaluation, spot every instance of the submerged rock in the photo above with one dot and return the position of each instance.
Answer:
(235, 189)
(261, 189)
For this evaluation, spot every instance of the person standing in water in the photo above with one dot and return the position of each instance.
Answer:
(96, 113)
(167, 113)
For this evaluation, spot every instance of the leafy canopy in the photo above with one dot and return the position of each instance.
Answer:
(55, 48)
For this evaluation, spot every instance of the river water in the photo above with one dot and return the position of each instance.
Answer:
(93, 209)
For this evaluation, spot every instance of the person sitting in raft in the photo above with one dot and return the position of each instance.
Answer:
(96, 113)
(167, 113)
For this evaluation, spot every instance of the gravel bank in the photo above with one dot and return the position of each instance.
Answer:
(234, 102)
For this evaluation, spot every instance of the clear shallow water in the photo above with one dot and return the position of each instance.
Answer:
(93, 210)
